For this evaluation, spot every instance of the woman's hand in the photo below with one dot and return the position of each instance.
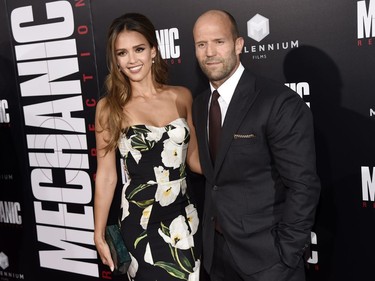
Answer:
(104, 252)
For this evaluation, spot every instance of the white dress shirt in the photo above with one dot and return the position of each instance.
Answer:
(226, 91)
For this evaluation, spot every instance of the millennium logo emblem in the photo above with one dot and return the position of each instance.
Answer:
(258, 27)
(4, 262)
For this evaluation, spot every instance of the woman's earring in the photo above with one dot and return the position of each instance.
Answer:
(153, 61)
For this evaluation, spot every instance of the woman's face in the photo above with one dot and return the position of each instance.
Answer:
(134, 55)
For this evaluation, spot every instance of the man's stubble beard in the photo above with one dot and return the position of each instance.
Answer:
(222, 74)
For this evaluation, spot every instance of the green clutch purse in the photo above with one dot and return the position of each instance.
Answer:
(119, 252)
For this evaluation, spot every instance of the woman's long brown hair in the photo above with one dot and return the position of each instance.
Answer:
(118, 91)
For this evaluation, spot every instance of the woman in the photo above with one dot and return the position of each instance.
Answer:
(150, 123)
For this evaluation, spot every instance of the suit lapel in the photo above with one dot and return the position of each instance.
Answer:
(243, 97)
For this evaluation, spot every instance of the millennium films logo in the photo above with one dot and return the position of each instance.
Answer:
(368, 186)
(168, 48)
(365, 23)
(258, 28)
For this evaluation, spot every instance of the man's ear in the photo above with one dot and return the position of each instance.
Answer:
(239, 43)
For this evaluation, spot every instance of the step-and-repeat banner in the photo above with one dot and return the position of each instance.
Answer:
(52, 68)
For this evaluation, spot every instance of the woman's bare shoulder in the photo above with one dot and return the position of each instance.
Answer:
(179, 92)
(101, 102)
(102, 110)
(102, 105)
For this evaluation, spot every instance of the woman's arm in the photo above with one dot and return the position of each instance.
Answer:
(105, 185)
(192, 157)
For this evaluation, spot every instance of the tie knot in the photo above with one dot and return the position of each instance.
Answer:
(215, 95)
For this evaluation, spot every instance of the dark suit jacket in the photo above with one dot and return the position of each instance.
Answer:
(263, 188)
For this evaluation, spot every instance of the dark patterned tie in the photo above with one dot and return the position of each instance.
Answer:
(214, 124)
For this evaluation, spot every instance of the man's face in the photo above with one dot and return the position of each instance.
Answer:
(215, 48)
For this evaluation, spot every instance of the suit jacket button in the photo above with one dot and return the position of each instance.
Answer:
(215, 187)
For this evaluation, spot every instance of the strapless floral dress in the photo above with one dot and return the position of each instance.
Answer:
(159, 220)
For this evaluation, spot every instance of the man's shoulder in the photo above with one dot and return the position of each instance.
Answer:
(266, 84)
(200, 95)
(199, 101)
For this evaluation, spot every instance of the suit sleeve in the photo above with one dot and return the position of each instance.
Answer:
(291, 139)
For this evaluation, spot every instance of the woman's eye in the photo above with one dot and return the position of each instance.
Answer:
(121, 53)
(139, 50)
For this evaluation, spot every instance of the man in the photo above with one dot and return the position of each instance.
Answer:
(261, 183)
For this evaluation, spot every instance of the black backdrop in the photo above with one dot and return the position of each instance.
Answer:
(52, 64)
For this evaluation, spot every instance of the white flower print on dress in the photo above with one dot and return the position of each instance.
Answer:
(195, 275)
(172, 154)
(161, 175)
(133, 268)
(125, 147)
(179, 234)
(183, 186)
(166, 193)
(192, 218)
(177, 134)
(145, 216)
(155, 133)
(148, 256)
(124, 201)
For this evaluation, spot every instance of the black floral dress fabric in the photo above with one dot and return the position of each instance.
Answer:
(159, 221)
